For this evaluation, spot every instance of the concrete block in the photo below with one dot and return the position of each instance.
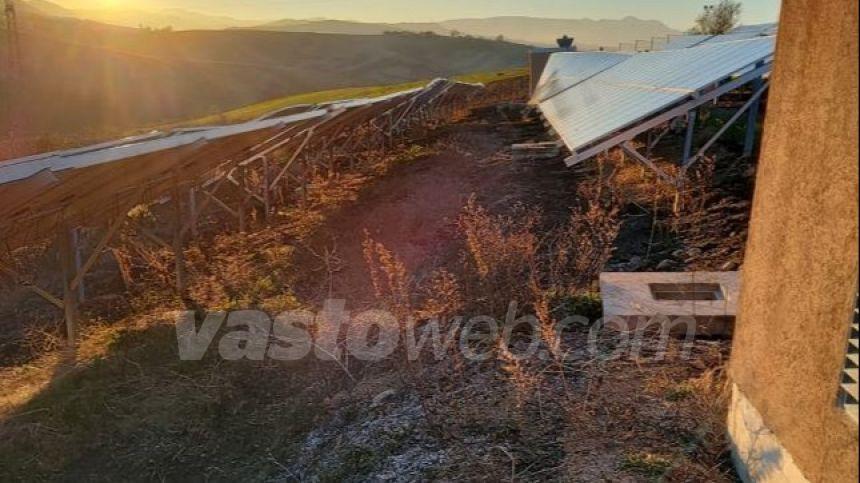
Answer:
(633, 300)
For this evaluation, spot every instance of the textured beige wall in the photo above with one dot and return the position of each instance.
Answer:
(800, 273)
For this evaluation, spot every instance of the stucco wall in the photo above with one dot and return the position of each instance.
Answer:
(800, 273)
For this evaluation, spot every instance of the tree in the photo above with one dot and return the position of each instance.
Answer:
(718, 19)
(500, 38)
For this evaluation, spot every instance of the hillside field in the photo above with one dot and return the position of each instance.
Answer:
(84, 79)
(254, 111)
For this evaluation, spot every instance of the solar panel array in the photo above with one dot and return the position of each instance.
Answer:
(19, 169)
(745, 32)
(85, 186)
(685, 41)
(642, 85)
(567, 69)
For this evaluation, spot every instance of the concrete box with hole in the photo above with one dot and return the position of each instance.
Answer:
(640, 300)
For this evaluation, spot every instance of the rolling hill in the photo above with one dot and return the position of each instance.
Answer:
(529, 30)
(332, 26)
(544, 31)
(83, 77)
(174, 18)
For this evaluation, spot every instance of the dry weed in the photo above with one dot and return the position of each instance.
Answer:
(389, 277)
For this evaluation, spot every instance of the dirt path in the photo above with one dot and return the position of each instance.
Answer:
(413, 210)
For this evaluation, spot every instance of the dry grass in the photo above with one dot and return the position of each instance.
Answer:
(127, 406)
(573, 414)
(126, 383)
(253, 111)
(126, 361)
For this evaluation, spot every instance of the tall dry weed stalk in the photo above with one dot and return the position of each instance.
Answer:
(711, 394)
(511, 265)
(697, 186)
(442, 296)
(391, 282)
(502, 255)
(517, 258)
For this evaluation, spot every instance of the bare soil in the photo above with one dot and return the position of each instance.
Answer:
(413, 210)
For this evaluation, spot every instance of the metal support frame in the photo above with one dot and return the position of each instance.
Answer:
(655, 140)
(179, 242)
(19, 279)
(697, 100)
(73, 270)
(81, 289)
(753, 101)
(752, 119)
(376, 133)
(210, 197)
(67, 247)
(689, 160)
(82, 270)
(309, 134)
(631, 150)
(193, 212)
(689, 137)
(244, 186)
(267, 191)
(149, 235)
(243, 198)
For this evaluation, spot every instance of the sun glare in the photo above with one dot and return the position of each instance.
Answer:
(113, 3)
(99, 4)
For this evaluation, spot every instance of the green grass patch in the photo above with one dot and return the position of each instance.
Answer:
(680, 392)
(254, 111)
(646, 464)
(588, 305)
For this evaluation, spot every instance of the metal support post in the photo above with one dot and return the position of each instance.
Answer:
(688, 139)
(752, 118)
(67, 248)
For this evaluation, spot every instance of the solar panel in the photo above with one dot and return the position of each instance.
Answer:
(758, 29)
(96, 182)
(729, 37)
(743, 32)
(566, 69)
(17, 169)
(645, 84)
(109, 152)
(685, 41)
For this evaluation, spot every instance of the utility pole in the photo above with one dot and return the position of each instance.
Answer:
(14, 71)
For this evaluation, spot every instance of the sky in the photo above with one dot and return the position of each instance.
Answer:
(674, 13)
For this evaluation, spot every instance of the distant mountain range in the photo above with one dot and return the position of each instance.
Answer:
(175, 18)
(527, 30)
